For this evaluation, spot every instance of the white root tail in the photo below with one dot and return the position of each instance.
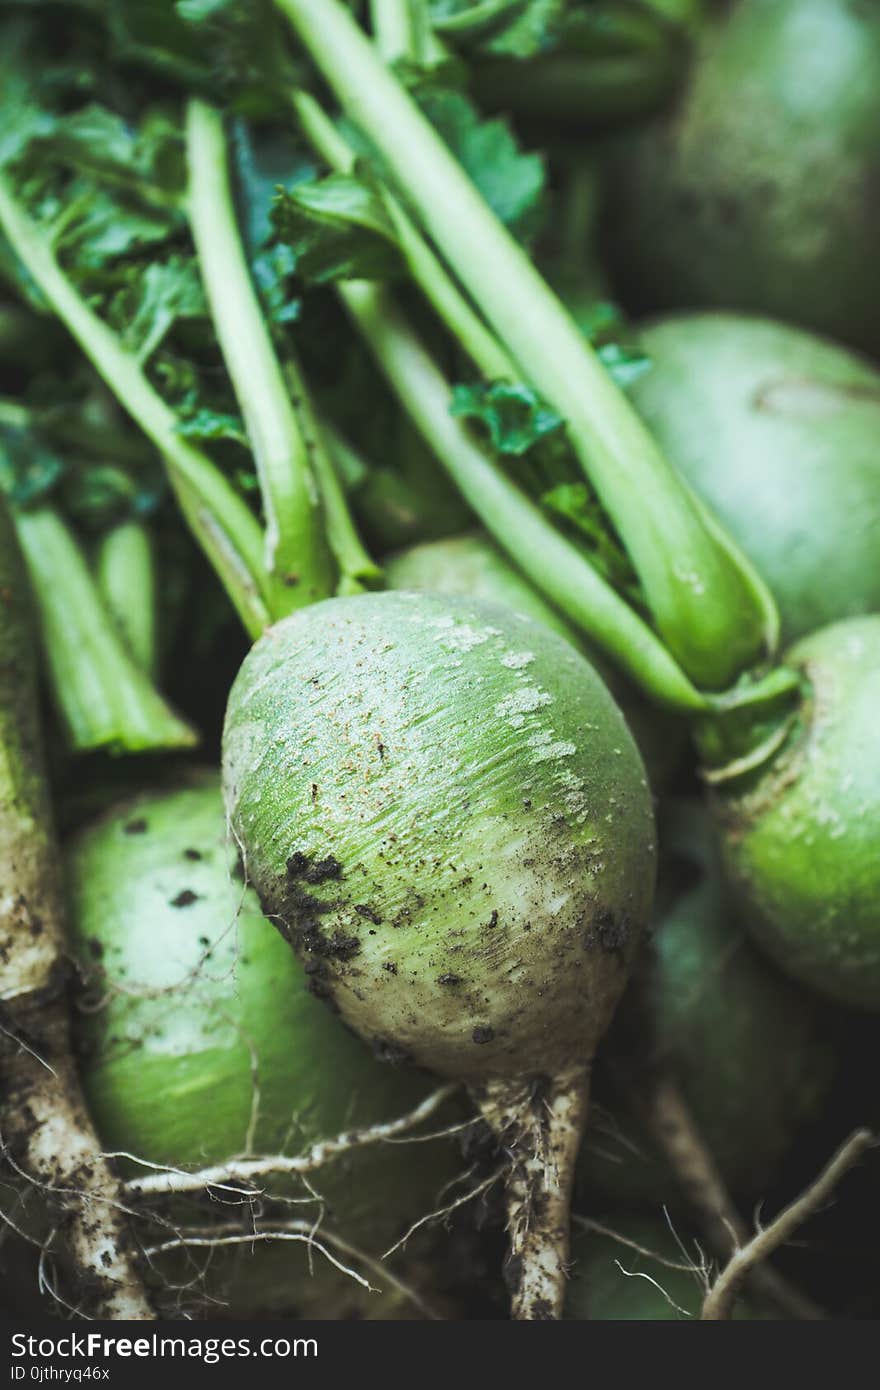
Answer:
(747, 1259)
(539, 1124)
(48, 1142)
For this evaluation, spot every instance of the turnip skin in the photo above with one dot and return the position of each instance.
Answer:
(472, 564)
(758, 189)
(216, 1005)
(777, 430)
(801, 841)
(743, 1042)
(441, 807)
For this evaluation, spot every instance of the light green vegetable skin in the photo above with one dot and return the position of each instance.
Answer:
(757, 190)
(777, 430)
(473, 565)
(208, 1045)
(801, 842)
(442, 809)
(745, 1045)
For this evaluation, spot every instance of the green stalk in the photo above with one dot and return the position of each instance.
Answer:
(578, 88)
(394, 28)
(105, 699)
(704, 605)
(554, 566)
(357, 569)
(433, 280)
(226, 530)
(126, 578)
(295, 548)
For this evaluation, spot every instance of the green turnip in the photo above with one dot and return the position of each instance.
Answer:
(443, 811)
(206, 1045)
(743, 1043)
(777, 431)
(758, 189)
(801, 836)
(473, 565)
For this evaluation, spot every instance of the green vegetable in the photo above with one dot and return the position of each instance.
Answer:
(104, 696)
(125, 573)
(443, 811)
(745, 1046)
(206, 1046)
(706, 603)
(472, 565)
(801, 838)
(793, 469)
(757, 190)
(453, 767)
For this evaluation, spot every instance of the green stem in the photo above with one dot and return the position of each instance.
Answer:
(702, 605)
(394, 28)
(227, 531)
(357, 569)
(106, 700)
(126, 579)
(296, 551)
(575, 88)
(554, 566)
(436, 284)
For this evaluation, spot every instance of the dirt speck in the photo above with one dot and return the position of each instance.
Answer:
(185, 898)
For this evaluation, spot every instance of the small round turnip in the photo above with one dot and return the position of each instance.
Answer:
(757, 188)
(443, 811)
(777, 430)
(801, 837)
(205, 1046)
(747, 1047)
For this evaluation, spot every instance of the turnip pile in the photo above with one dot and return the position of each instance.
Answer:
(454, 699)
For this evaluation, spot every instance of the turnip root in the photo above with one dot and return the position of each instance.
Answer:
(443, 811)
(52, 1153)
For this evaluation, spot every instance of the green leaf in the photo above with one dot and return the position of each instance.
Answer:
(29, 470)
(338, 229)
(207, 424)
(264, 159)
(274, 270)
(511, 182)
(474, 19)
(625, 364)
(577, 505)
(153, 300)
(513, 414)
(503, 28)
